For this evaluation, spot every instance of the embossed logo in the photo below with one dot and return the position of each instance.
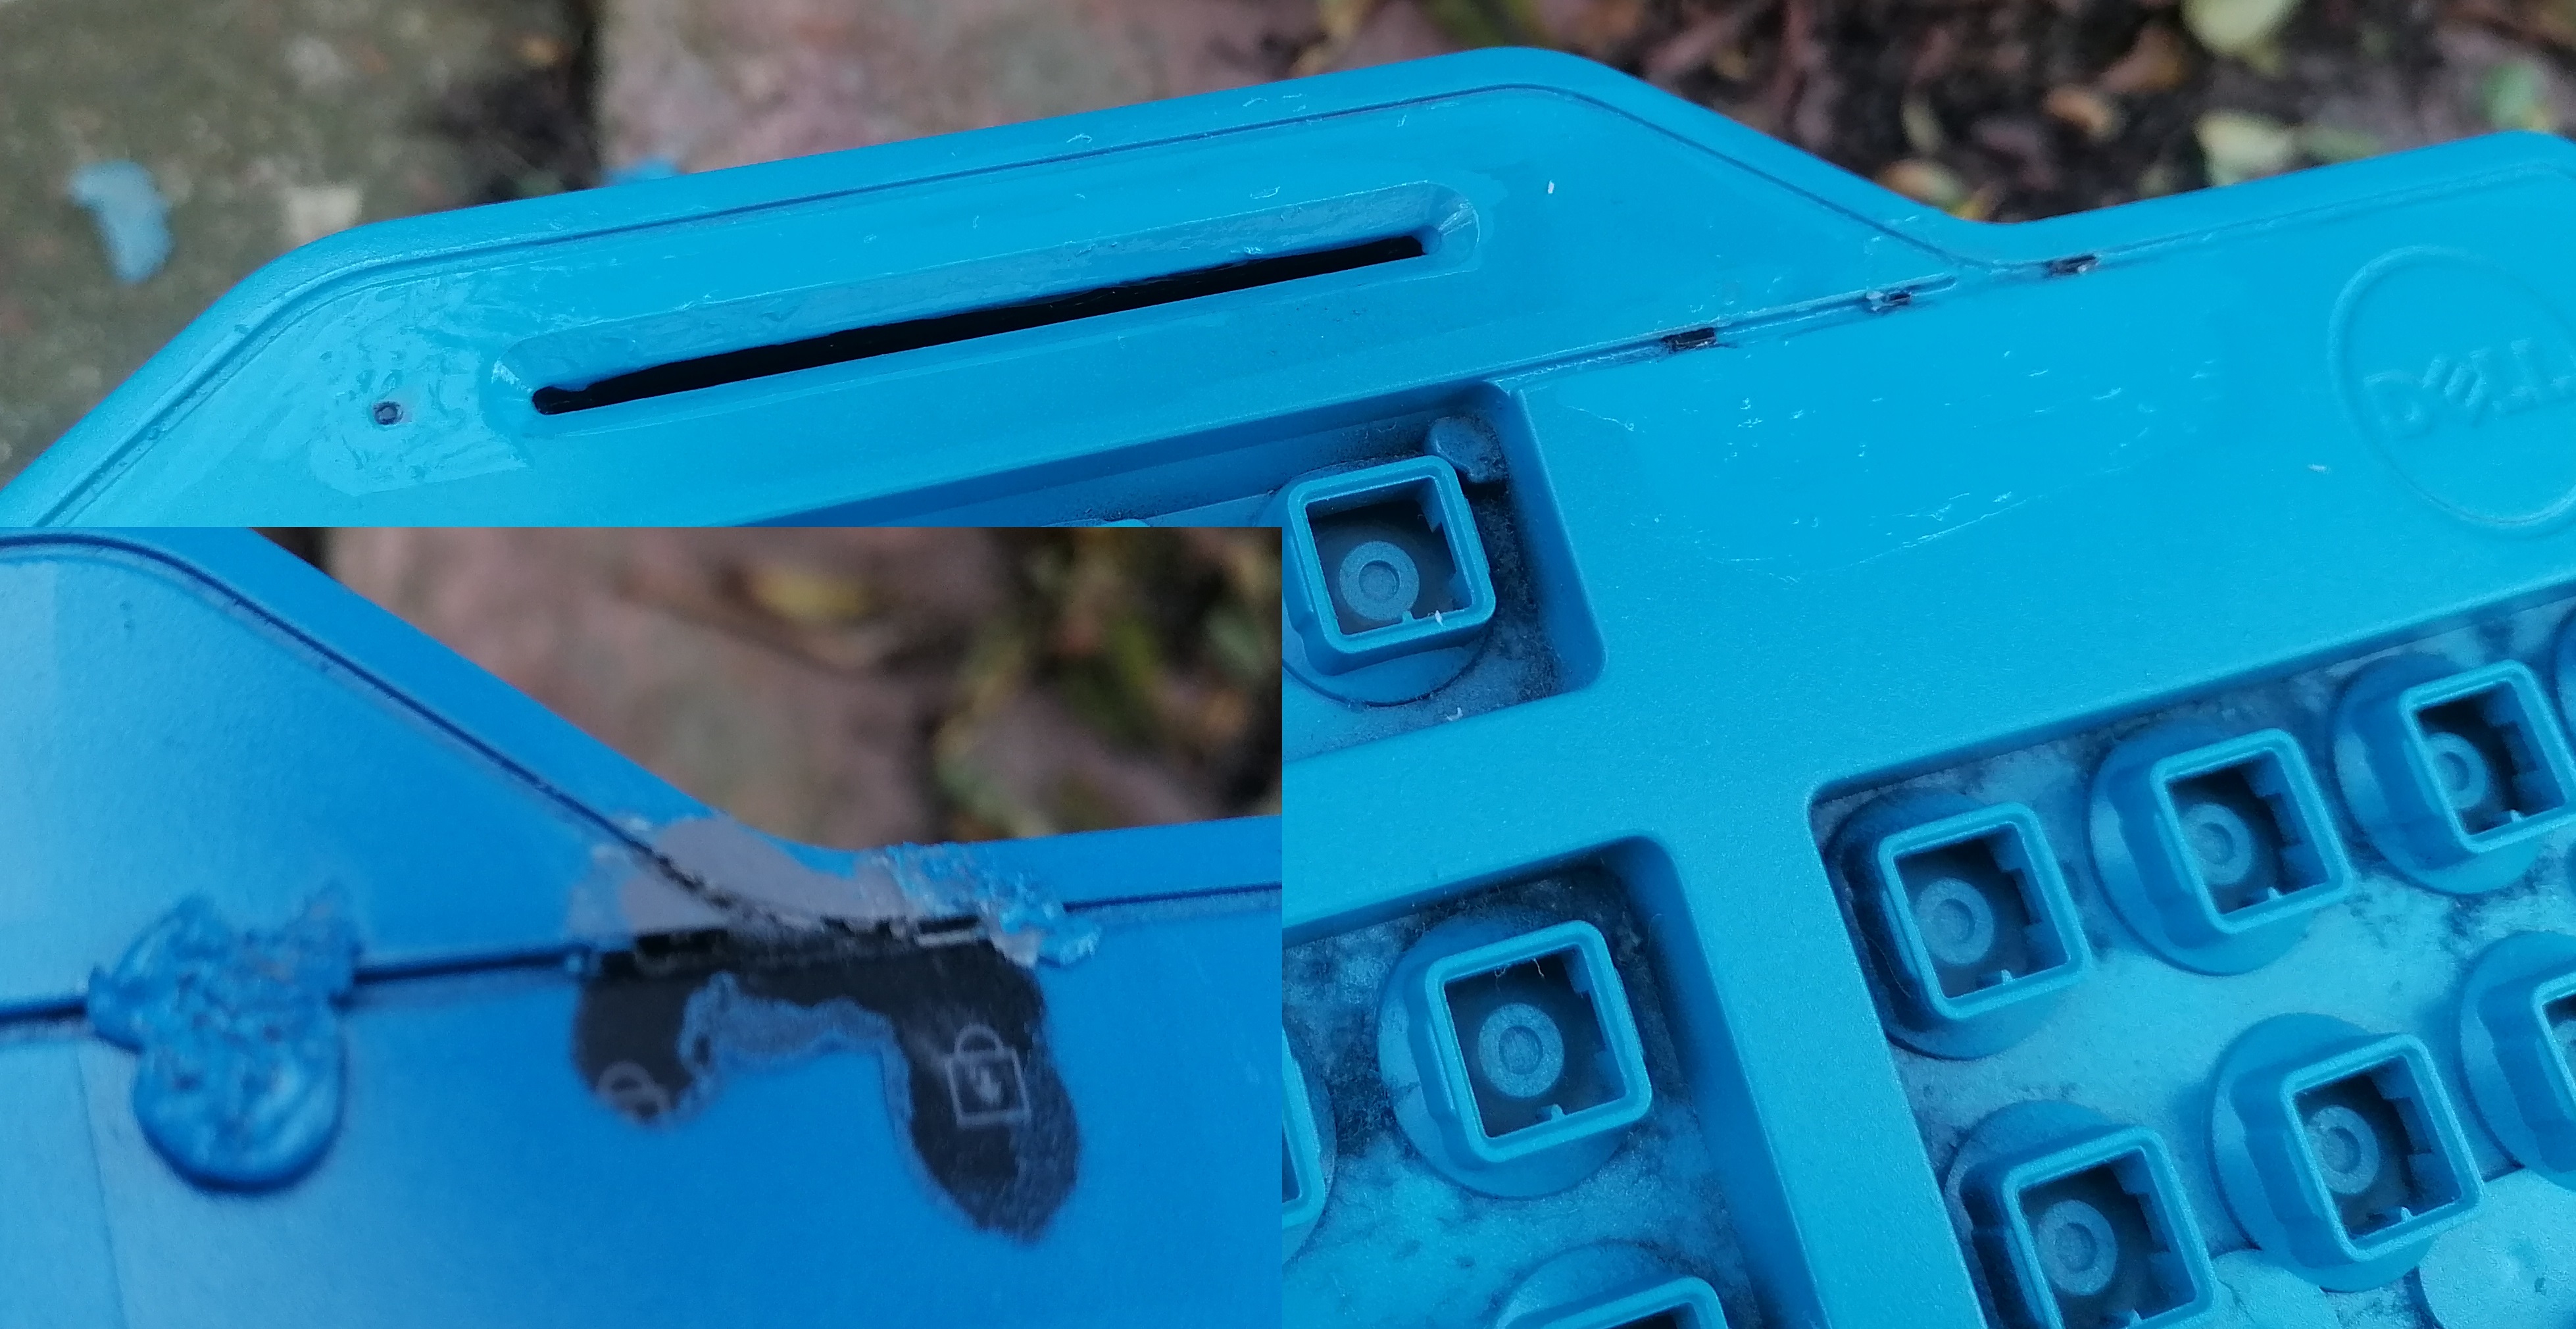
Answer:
(2465, 378)
(2485, 383)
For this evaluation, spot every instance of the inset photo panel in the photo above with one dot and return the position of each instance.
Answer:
(640, 927)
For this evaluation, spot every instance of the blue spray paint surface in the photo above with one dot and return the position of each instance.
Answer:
(133, 219)
(239, 1080)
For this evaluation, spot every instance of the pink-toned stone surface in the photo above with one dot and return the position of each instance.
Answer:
(835, 686)
(709, 83)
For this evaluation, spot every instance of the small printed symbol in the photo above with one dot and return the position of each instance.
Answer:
(985, 1087)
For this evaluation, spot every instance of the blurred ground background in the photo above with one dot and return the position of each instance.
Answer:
(862, 687)
(268, 122)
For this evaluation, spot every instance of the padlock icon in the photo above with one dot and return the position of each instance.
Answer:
(984, 1083)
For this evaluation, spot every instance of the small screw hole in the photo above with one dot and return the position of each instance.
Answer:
(387, 413)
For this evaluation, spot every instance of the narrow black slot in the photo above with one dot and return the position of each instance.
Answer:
(849, 344)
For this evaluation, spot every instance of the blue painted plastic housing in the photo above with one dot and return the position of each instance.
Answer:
(343, 984)
(2216, 849)
(2079, 1222)
(2462, 774)
(1681, 1303)
(2171, 536)
(2340, 1151)
(1305, 1169)
(1967, 915)
(1383, 562)
(2518, 1049)
(1511, 1054)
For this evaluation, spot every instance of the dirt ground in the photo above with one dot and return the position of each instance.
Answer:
(862, 687)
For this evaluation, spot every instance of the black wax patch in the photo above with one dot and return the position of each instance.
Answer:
(989, 1118)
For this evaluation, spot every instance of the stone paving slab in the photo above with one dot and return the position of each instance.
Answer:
(710, 83)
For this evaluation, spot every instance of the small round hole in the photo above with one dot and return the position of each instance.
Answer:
(386, 412)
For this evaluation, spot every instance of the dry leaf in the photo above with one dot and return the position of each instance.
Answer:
(2513, 95)
(1342, 19)
(2239, 146)
(1602, 26)
(540, 51)
(2326, 143)
(2236, 27)
(2156, 62)
(1731, 62)
(2085, 109)
(805, 596)
(2557, 23)
(1922, 127)
(1688, 49)
(1925, 182)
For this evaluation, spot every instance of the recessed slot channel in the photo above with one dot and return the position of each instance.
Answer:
(861, 343)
